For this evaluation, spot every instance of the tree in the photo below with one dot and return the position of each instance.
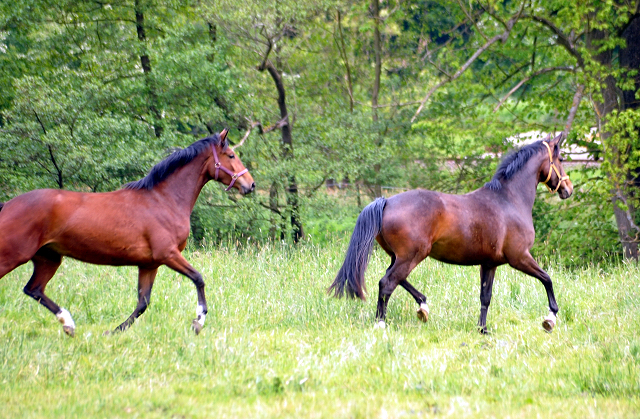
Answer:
(588, 50)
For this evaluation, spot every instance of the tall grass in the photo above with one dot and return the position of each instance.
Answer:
(275, 345)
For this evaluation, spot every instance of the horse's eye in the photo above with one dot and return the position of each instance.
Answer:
(232, 156)
(561, 159)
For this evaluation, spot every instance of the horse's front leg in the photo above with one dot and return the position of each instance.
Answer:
(178, 263)
(529, 266)
(486, 287)
(146, 278)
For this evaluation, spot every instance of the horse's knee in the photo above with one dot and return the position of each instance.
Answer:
(197, 280)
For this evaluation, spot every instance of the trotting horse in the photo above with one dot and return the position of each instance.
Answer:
(491, 226)
(145, 224)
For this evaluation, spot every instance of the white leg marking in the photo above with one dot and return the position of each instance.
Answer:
(200, 315)
(380, 325)
(65, 318)
(424, 306)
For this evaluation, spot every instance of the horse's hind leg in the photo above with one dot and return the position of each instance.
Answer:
(423, 310)
(395, 275)
(145, 284)
(45, 265)
(528, 265)
(487, 275)
(178, 263)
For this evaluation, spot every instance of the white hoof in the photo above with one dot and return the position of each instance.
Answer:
(380, 325)
(200, 316)
(549, 322)
(68, 325)
(423, 312)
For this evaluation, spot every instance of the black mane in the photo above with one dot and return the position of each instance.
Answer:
(514, 161)
(176, 160)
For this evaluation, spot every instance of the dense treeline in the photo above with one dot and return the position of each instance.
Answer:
(416, 93)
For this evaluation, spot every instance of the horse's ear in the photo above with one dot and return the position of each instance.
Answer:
(556, 140)
(223, 135)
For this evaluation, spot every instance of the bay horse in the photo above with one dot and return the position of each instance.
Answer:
(144, 224)
(490, 226)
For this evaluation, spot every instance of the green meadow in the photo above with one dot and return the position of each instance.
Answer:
(275, 345)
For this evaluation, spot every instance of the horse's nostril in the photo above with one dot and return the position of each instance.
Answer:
(253, 186)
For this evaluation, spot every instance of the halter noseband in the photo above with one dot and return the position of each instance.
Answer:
(555, 169)
(219, 166)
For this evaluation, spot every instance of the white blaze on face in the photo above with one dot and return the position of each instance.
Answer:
(65, 318)
(200, 316)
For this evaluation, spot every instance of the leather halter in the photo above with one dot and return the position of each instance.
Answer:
(219, 166)
(555, 169)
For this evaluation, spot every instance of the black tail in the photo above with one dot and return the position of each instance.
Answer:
(350, 277)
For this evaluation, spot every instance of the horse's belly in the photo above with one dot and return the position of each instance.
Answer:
(106, 256)
(461, 254)
(107, 248)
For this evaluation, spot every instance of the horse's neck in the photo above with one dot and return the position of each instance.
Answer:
(184, 185)
(522, 187)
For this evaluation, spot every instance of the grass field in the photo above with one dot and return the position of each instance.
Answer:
(276, 346)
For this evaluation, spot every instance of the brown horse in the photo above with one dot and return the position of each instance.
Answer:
(491, 226)
(145, 224)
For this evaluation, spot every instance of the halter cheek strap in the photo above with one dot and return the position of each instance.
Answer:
(553, 168)
(219, 167)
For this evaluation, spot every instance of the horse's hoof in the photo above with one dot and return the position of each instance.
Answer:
(196, 326)
(71, 331)
(549, 322)
(423, 312)
(380, 325)
(483, 330)
(548, 325)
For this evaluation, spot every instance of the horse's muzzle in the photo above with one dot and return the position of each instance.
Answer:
(247, 190)
(566, 189)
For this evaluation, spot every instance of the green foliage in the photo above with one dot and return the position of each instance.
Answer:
(622, 156)
(580, 230)
(80, 110)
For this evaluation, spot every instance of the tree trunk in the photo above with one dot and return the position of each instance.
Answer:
(377, 46)
(630, 59)
(297, 232)
(59, 179)
(213, 37)
(343, 52)
(618, 157)
(146, 68)
(276, 219)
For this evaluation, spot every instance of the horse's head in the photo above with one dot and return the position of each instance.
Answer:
(552, 174)
(227, 168)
